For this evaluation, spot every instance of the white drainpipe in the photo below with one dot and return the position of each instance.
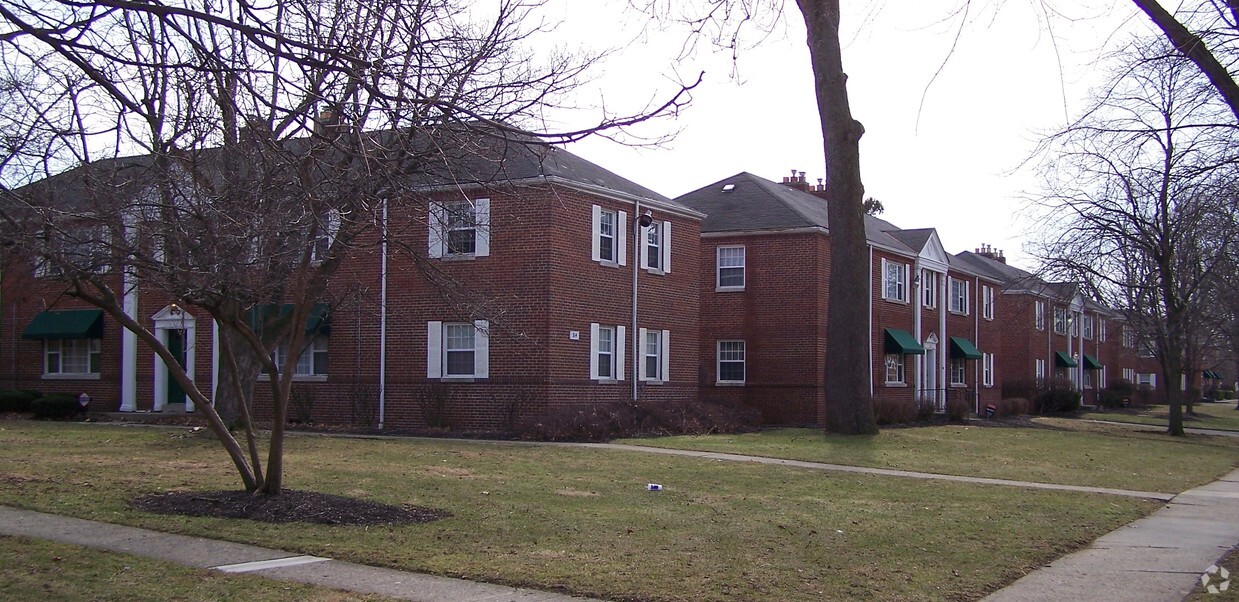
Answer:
(383, 321)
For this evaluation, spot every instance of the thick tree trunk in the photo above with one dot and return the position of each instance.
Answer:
(849, 402)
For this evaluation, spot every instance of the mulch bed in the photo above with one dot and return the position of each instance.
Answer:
(290, 506)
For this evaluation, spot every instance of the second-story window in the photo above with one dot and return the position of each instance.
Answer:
(731, 267)
(959, 296)
(894, 281)
(1060, 320)
(460, 229)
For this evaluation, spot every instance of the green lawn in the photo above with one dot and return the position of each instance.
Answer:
(42, 570)
(1220, 416)
(1115, 457)
(580, 520)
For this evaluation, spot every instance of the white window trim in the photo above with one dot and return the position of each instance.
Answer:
(962, 373)
(929, 289)
(664, 357)
(93, 346)
(1087, 326)
(436, 351)
(1054, 318)
(1039, 315)
(310, 349)
(620, 237)
(903, 372)
(987, 370)
(901, 284)
(719, 267)
(718, 362)
(664, 247)
(987, 302)
(617, 354)
(963, 305)
(1039, 369)
(437, 228)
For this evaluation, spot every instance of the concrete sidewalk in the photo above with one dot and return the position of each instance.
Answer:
(1157, 558)
(231, 557)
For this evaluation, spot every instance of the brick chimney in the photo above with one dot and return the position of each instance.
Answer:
(991, 253)
(798, 181)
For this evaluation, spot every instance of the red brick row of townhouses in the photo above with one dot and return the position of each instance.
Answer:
(731, 285)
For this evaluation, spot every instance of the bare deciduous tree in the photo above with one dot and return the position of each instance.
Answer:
(265, 142)
(1140, 197)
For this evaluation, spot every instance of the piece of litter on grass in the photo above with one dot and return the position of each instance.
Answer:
(654, 487)
(838, 530)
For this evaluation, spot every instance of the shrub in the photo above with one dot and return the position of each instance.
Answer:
(15, 400)
(957, 410)
(897, 411)
(1059, 396)
(55, 406)
(603, 421)
(1012, 406)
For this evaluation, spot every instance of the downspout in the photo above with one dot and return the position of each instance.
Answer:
(636, 265)
(944, 339)
(916, 325)
(129, 339)
(383, 320)
(214, 359)
(976, 336)
(871, 321)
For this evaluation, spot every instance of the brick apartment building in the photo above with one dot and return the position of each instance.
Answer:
(526, 284)
(765, 265)
(1054, 331)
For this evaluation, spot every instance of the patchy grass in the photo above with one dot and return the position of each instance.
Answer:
(1230, 562)
(1101, 457)
(580, 520)
(43, 570)
(1220, 416)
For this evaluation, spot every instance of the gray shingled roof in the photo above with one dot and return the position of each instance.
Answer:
(458, 158)
(755, 204)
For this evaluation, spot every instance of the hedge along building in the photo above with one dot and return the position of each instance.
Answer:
(499, 283)
(765, 266)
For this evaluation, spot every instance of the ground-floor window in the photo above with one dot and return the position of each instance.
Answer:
(959, 371)
(312, 362)
(894, 368)
(731, 361)
(71, 356)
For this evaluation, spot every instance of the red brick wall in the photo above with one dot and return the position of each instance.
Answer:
(781, 317)
(892, 314)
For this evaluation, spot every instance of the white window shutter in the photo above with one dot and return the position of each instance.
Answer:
(332, 225)
(666, 355)
(435, 223)
(481, 212)
(666, 241)
(643, 246)
(621, 237)
(595, 250)
(641, 353)
(905, 283)
(619, 353)
(481, 349)
(434, 349)
(593, 344)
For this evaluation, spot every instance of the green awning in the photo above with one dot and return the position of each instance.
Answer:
(902, 342)
(963, 348)
(1062, 360)
(1212, 375)
(1091, 363)
(67, 324)
(318, 322)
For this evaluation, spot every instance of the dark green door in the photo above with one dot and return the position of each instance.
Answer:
(176, 346)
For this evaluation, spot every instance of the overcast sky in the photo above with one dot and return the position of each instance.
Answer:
(942, 153)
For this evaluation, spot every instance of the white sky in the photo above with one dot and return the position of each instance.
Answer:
(955, 170)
